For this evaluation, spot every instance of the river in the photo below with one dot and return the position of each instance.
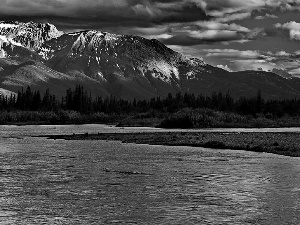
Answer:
(46, 181)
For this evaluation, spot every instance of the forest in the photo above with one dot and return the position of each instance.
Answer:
(182, 110)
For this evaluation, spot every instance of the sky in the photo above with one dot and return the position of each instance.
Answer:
(231, 34)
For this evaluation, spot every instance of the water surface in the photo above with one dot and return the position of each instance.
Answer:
(99, 182)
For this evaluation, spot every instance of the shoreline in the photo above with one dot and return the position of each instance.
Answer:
(285, 143)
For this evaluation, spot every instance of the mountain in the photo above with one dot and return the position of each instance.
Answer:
(30, 35)
(121, 65)
(126, 65)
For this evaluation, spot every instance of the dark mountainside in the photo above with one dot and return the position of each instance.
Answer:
(125, 66)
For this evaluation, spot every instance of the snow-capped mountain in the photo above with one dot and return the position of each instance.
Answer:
(122, 65)
(120, 62)
(30, 35)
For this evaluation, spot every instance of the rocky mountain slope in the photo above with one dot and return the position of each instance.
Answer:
(126, 65)
(30, 35)
(121, 65)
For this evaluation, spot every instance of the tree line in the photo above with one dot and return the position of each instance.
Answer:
(80, 100)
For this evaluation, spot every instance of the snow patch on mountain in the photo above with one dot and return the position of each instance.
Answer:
(6, 93)
(162, 70)
(3, 39)
(6, 25)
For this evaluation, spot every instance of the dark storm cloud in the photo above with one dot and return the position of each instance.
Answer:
(124, 15)
(183, 22)
(93, 12)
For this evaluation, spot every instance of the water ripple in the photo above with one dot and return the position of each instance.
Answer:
(97, 182)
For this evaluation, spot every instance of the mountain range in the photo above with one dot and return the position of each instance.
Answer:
(40, 56)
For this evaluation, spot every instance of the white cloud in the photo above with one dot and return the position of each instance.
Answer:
(282, 53)
(151, 30)
(158, 32)
(158, 36)
(214, 35)
(259, 17)
(293, 28)
(290, 25)
(225, 68)
(232, 53)
(271, 16)
(234, 16)
(219, 8)
(295, 35)
(295, 72)
(252, 64)
(213, 25)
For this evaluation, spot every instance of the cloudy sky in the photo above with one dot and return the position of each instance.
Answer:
(232, 34)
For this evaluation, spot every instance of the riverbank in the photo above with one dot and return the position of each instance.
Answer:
(287, 144)
(184, 119)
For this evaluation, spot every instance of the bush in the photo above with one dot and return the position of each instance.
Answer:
(177, 121)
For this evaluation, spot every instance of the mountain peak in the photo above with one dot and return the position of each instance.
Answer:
(111, 59)
(30, 35)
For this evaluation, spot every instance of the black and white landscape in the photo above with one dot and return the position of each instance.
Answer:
(149, 112)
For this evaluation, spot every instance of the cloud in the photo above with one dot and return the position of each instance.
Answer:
(195, 37)
(281, 62)
(213, 25)
(282, 53)
(214, 35)
(232, 53)
(238, 60)
(271, 16)
(201, 32)
(290, 25)
(233, 17)
(193, 33)
(113, 10)
(293, 28)
(295, 72)
(224, 68)
(252, 64)
(141, 12)
(175, 22)
(219, 8)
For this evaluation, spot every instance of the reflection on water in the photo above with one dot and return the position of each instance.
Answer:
(98, 182)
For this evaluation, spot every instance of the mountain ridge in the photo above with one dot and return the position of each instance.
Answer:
(125, 66)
